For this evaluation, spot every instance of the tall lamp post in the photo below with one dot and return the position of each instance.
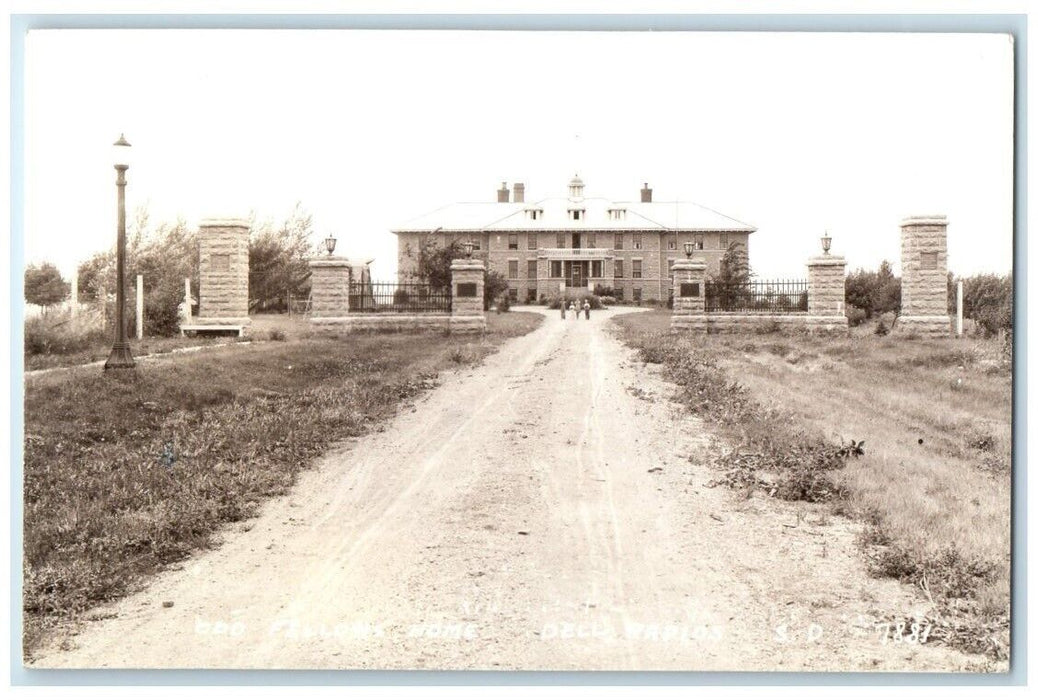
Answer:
(120, 357)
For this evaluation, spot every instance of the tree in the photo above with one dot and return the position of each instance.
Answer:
(734, 267)
(874, 292)
(278, 261)
(44, 285)
(988, 300)
(494, 285)
(434, 263)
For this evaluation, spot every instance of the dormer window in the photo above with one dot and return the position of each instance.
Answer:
(534, 214)
(576, 214)
(617, 214)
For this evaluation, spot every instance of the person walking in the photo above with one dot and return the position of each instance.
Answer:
(587, 309)
(576, 314)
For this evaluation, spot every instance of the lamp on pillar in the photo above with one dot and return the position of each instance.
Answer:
(329, 244)
(120, 357)
(827, 241)
(689, 247)
(467, 246)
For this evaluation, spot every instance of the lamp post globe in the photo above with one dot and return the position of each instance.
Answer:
(120, 357)
(467, 246)
(329, 244)
(827, 241)
(688, 249)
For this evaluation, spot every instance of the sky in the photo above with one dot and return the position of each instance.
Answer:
(797, 134)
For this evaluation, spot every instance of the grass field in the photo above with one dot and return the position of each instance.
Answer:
(127, 472)
(934, 481)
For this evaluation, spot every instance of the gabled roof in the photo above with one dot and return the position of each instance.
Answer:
(511, 216)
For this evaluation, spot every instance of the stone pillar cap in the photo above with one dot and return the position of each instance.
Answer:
(467, 264)
(827, 260)
(925, 220)
(693, 264)
(235, 221)
(330, 261)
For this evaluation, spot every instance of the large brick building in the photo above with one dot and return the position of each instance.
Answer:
(575, 243)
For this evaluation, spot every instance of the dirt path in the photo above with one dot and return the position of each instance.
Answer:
(510, 520)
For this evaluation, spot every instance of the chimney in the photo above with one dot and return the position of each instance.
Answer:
(502, 194)
(519, 192)
(646, 193)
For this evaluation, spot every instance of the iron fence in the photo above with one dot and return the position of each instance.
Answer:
(398, 297)
(783, 296)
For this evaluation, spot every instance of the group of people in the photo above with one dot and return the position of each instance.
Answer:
(576, 310)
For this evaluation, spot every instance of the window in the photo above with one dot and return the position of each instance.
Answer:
(670, 265)
(618, 268)
(591, 240)
(560, 241)
(534, 214)
(636, 269)
(697, 241)
(617, 214)
(672, 242)
(531, 296)
(637, 238)
(576, 214)
(531, 241)
(596, 268)
(637, 294)
(513, 241)
(556, 268)
(513, 269)
(513, 295)
(475, 244)
(618, 241)
(724, 241)
(531, 269)
(618, 293)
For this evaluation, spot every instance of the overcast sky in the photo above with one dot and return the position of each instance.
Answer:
(793, 133)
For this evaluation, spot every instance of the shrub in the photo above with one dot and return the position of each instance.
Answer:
(988, 300)
(504, 303)
(276, 334)
(855, 316)
(62, 337)
(607, 300)
(594, 300)
(602, 290)
(400, 296)
(881, 328)
(554, 302)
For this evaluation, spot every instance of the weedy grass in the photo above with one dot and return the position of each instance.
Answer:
(933, 483)
(127, 472)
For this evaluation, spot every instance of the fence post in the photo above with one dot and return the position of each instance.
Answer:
(329, 287)
(924, 276)
(467, 277)
(958, 307)
(826, 293)
(75, 293)
(140, 307)
(689, 289)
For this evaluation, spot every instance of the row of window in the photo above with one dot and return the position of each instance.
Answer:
(618, 241)
(555, 269)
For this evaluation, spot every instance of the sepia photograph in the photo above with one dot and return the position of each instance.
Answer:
(497, 350)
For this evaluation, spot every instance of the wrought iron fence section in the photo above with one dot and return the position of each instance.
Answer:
(769, 296)
(398, 297)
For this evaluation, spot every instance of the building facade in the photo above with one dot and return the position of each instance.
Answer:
(574, 244)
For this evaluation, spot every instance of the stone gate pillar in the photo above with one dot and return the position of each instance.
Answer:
(924, 276)
(689, 288)
(223, 273)
(467, 277)
(329, 287)
(826, 293)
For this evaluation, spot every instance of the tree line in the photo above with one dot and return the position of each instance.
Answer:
(167, 253)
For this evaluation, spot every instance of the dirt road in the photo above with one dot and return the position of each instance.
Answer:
(537, 512)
